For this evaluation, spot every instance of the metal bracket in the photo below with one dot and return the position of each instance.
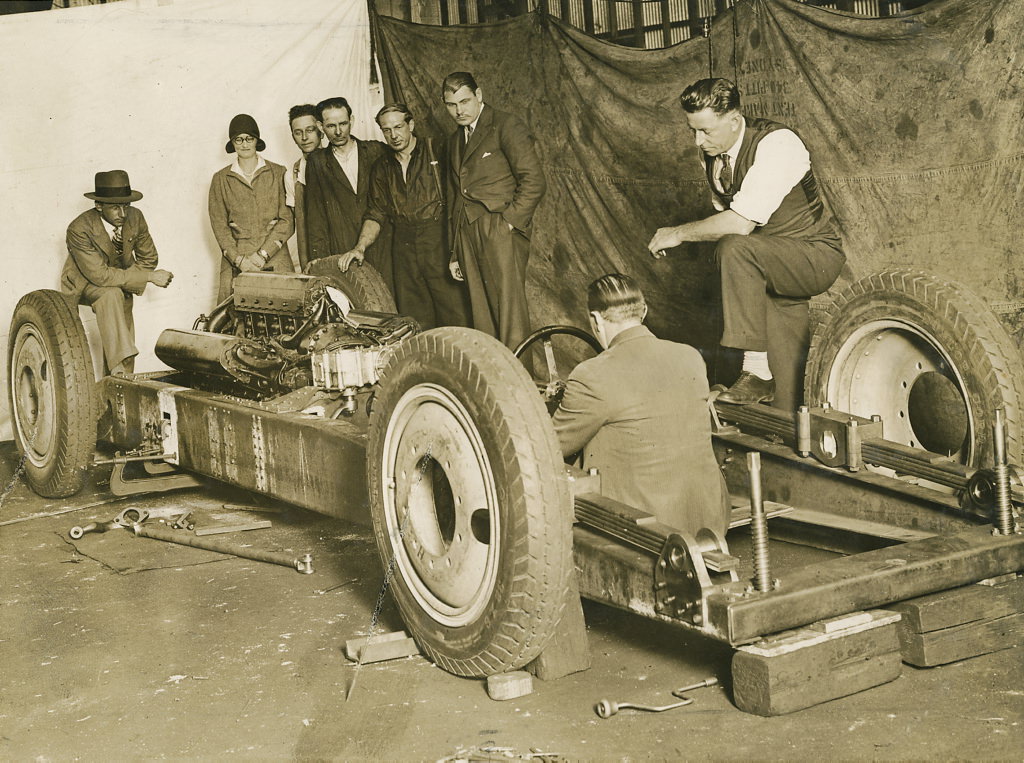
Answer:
(163, 481)
(682, 576)
(835, 438)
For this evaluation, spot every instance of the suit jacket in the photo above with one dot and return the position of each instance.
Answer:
(498, 170)
(639, 412)
(334, 209)
(92, 258)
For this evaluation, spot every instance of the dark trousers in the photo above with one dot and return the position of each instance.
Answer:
(766, 284)
(424, 287)
(493, 260)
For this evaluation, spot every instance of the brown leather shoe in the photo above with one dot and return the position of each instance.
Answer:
(749, 389)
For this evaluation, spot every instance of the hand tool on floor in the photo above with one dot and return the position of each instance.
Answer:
(606, 708)
(303, 565)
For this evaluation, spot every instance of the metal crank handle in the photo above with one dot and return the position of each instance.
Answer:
(706, 682)
(606, 708)
(304, 564)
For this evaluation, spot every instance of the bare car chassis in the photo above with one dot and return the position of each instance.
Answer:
(440, 438)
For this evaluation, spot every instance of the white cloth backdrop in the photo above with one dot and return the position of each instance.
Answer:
(149, 86)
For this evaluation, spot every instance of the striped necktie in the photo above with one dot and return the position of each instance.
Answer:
(469, 132)
(118, 242)
(725, 173)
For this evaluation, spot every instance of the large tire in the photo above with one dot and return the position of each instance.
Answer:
(52, 393)
(471, 510)
(363, 285)
(925, 354)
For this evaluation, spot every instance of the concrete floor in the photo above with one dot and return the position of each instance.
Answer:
(115, 647)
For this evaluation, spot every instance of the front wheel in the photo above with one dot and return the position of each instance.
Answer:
(471, 510)
(52, 392)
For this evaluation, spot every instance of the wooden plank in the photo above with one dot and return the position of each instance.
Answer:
(959, 606)
(926, 650)
(354, 645)
(805, 668)
(740, 515)
(568, 651)
(860, 526)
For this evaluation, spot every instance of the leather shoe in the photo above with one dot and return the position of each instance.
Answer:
(749, 389)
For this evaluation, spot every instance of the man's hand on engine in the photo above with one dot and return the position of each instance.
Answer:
(352, 255)
(251, 262)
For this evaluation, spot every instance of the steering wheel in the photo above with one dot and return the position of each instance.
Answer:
(554, 385)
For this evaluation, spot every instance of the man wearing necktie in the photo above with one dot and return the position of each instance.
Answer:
(495, 183)
(777, 245)
(111, 257)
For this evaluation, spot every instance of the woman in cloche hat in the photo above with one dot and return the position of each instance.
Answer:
(248, 213)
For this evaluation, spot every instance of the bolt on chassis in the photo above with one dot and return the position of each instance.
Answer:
(310, 389)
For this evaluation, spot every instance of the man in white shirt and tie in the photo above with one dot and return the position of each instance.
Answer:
(111, 257)
(777, 245)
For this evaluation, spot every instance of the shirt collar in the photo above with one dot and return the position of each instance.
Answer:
(472, 124)
(260, 164)
(734, 152)
(633, 332)
(107, 226)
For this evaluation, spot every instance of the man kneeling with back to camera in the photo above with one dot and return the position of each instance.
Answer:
(639, 414)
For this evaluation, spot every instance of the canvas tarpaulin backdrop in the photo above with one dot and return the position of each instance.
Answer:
(914, 125)
(149, 86)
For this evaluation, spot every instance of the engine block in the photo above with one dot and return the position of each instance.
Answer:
(273, 304)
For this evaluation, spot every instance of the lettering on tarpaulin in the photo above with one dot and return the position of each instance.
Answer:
(770, 109)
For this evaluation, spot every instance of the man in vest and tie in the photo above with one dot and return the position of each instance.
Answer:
(111, 257)
(777, 245)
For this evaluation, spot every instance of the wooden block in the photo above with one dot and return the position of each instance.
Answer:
(803, 668)
(939, 647)
(568, 651)
(502, 686)
(380, 647)
(959, 606)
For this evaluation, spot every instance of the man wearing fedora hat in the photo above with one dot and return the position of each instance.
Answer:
(111, 257)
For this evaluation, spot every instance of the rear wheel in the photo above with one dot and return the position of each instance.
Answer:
(925, 354)
(52, 393)
(363, 285)
(470, 508)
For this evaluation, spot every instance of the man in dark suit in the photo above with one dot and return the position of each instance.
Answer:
(337, 189)
(495, 182)
(639, 414)
(111, 257)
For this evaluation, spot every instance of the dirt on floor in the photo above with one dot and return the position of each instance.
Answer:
(116, 647)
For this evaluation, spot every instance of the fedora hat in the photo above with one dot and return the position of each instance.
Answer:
(243, 124)
(113, 187)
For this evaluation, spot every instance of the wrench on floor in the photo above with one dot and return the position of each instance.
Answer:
(606, 708)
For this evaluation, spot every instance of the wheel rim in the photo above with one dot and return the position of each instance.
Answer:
(440, 505)
(901, 372)
(34, 395)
